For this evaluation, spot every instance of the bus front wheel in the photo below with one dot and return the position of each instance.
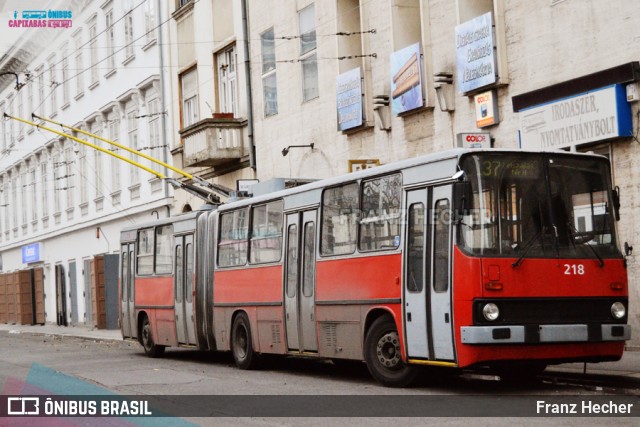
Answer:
(383, 355)
(242, 345)
(149, 345)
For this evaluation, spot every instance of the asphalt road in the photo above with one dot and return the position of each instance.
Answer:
(74, 366)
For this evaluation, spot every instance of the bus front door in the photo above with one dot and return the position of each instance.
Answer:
(427, 274)
(299, 281)
(183, 280)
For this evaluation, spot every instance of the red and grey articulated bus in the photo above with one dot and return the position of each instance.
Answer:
(488, 258)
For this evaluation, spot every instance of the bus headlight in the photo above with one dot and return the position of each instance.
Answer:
(491, 312)
(617, 310)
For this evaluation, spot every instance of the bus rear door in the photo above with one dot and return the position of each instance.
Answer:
(127, 307)
(183, 288)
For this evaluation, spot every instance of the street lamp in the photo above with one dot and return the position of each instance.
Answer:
(285, 151)
(18, 84)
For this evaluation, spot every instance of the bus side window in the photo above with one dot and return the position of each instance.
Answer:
(163, 245)
(232, 245)
(415, 249)
(441, 246)
(340, 207)
(145, 252)
(380, 222)
(266, 233)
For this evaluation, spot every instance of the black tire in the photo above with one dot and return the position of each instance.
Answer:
(383, 355)
(242, 344)
(146, 339)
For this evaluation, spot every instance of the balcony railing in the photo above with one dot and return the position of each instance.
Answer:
(213, 142)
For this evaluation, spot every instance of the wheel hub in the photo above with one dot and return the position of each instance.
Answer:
(388, 350)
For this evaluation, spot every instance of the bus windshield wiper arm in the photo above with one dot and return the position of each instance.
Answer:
(572, 229)
(527, 246)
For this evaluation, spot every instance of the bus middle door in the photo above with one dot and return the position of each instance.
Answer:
(299, 281)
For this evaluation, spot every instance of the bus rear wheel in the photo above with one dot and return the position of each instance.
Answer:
(383, 355)
(242, 345)
(146, 339)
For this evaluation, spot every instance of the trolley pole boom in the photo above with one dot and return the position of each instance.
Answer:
(202, 193)
(124, 147)
(215, 187)
(88, 144)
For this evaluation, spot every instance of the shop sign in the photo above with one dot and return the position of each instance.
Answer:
(406, 80)
(32, 253)
(349, 99)
(246, 184)
(486, 109)
(597, 115)
(475, 58)
(360, 165)
(474, 140)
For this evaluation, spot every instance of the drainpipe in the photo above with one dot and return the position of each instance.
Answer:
(163, 120)
(247, 70)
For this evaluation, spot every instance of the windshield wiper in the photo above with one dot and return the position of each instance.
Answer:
(572, 229)
(527, 246)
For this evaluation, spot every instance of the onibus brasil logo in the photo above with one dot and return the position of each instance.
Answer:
(41, 19)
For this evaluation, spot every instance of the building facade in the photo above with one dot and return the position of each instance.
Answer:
(371, 82)
(211, 92)
(63, 203)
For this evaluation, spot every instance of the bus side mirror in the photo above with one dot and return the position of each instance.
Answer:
(616, 202)
(628, 249)
(462, 197)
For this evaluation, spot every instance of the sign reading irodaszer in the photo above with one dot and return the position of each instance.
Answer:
(593, 116)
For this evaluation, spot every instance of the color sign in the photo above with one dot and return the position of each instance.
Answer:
(486, 109)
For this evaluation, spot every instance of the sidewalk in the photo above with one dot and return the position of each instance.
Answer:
(628, 366)
(70, 331)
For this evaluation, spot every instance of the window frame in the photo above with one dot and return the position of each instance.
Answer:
(154, 251)
(306, 55)
(244, 239)
(362, 212)
(195, 116)
(279, 236)
(323, 254)
(269, 74)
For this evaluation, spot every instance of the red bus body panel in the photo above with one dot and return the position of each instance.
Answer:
(362, 278)
(534, 278)
(154, 295)
(248, 285)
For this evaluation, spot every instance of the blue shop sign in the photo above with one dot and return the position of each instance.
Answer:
(32, 253)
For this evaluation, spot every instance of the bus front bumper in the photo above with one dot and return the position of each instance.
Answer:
(532, 334)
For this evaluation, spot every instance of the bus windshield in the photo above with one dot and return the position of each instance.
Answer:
(538, 205)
